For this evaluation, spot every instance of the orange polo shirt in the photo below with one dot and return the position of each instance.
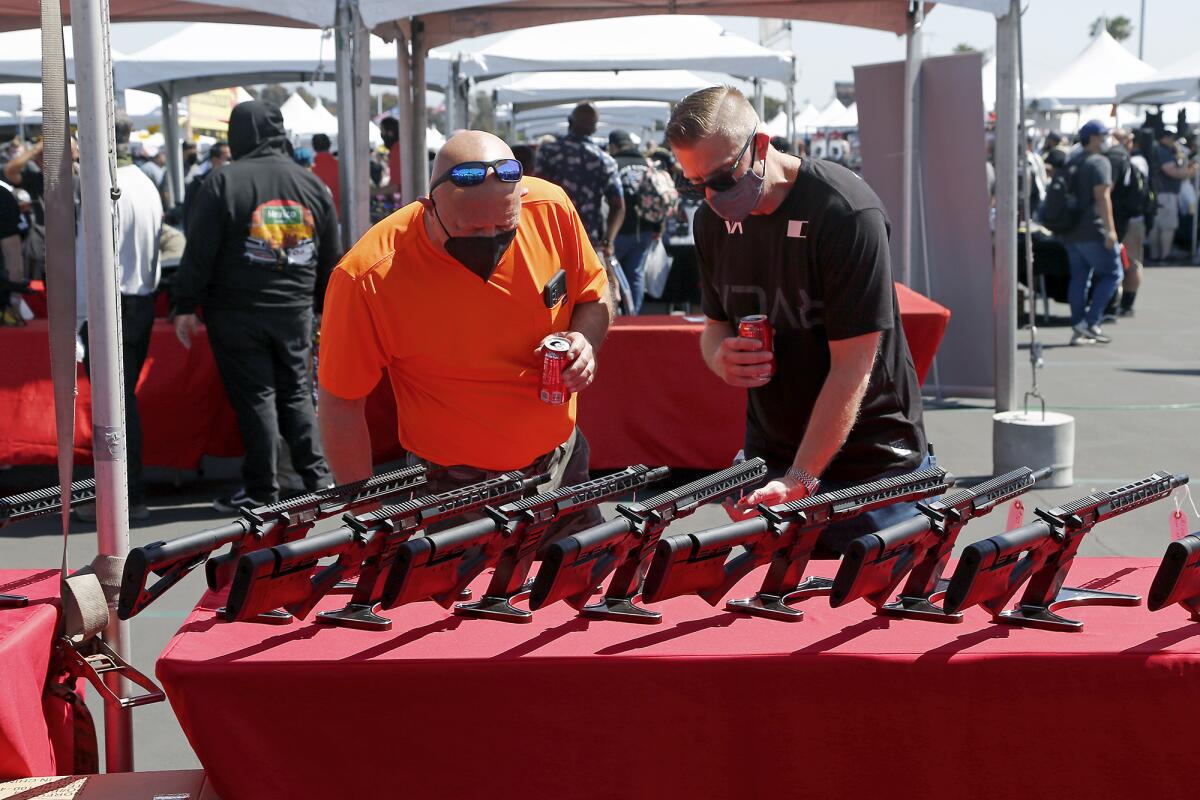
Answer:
(460, 353)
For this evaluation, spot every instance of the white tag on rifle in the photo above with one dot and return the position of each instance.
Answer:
(1179, 518)
(1016, 516)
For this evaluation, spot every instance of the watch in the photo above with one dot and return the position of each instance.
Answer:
(803, 478)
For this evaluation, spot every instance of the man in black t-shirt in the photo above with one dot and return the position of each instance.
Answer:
(806, 243)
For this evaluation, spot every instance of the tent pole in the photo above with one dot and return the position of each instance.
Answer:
(420, 115)
(173, 141)
(350, 37)
(790, 108)
(912, 100)
(404, 92)
(97, 172)
(362, 119)
(451, 98)
(1004, 268)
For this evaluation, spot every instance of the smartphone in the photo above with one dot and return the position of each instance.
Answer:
(555, 289)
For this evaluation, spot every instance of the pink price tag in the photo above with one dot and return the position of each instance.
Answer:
(1179, 525)
(1016, 516)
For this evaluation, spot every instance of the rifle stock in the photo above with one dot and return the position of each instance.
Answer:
(699, 563)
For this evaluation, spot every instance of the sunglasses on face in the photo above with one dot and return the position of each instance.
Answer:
(723, 181)
(473, 173)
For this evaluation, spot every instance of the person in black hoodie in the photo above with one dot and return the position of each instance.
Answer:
(261, 244)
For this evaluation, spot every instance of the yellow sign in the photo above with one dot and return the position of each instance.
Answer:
(209, 111)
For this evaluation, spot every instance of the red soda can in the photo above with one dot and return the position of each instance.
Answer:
(554, 361)
(757, 326)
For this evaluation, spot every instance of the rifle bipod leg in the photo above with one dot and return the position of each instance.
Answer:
(361, 616)
(498, 607)
(621, 609)
(778, 606)
(275, 617)
(13, 601)
(1043, 617)
(923, 608)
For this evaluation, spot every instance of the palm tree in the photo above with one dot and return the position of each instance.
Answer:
(1120, 28)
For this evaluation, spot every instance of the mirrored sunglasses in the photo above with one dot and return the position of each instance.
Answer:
(723, 181)
(473, 173)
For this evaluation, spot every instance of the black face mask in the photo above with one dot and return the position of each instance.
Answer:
(480, 254)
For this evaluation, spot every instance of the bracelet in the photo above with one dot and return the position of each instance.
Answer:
(803, 478)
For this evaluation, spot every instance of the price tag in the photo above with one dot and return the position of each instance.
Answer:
(1179, 525)
(1016, 515)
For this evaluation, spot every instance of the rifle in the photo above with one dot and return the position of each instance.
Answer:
(442, 564)
(991, 571)
(1178, 577)
(876, 563)
(287, 575)
(785, 535)
(39, 503)
(573, 566)
(257, 529)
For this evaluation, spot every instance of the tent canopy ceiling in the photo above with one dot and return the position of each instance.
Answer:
(609, 109)
(553, 88)
(650, 42)
(1091, 78)
(1179, 82)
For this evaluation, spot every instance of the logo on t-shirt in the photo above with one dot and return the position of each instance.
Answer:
(733, 227)
(281, 233)
(795, 229)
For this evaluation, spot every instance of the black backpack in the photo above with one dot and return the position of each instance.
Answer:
(1129, 188)
(1060, 207)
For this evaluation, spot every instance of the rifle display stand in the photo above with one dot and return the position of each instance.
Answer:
(1043, 617)
(777, 606)
(361, 616)
(275, 617)
(498, 607)
(621, 609)
(344, 587)
(922, 608)
(13, 601)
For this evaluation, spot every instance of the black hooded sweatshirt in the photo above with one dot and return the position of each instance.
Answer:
(263, 233)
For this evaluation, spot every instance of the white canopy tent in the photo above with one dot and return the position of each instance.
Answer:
(807, 119)
(1091, 78)
(1179, 82)
(553, 88)
(643, 110)
(832, 110)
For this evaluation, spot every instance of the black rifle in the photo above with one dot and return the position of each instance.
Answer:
(259, 528)
(572, 567)
(288, 575)
(990, 572)
(785, 535)
(1178, 577)
(876, 563)
(442, 564)
(39, 503)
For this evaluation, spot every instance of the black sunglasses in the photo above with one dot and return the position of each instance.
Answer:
(473, 173)
(723, 181)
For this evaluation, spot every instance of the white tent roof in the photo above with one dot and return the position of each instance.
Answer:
(648, 110)
(1091, 78)
(299, 118)
(807, 119)
(650, 42)
(829, 113)
(552, 88)
(1177, 83)
(847, 119)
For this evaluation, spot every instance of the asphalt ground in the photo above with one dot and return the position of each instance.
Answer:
(1136, 403)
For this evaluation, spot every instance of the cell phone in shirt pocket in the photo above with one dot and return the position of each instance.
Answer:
(555, 289)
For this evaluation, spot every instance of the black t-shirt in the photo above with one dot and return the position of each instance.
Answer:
(10, 222)
(1091, 170)
(818, 267)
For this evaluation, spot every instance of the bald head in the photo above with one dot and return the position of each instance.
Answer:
(583, 119)
(484, 210)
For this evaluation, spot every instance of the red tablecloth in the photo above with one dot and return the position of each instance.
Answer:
(36, 300)
(654, 401)
(707, 705)
(35, 737)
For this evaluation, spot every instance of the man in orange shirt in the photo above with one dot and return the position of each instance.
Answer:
(448, 296)
(325, 166)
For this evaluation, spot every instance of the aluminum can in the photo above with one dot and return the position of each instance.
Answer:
(757, 326)
(554, 361)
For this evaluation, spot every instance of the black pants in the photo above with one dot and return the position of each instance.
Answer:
(263, 356)
(137, 321)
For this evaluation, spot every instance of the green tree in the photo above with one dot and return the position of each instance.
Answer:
(1120, 28)
(963, 47)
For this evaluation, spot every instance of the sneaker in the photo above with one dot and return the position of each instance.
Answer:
(1081, 334)
(1109, 319)
(1126, 312)
(236, 502)
(1098, 334)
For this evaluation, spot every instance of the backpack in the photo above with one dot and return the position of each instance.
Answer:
(1060, 207)
(649, 192)
(1128, 190)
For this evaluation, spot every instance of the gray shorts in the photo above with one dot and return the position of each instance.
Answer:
(566, 465)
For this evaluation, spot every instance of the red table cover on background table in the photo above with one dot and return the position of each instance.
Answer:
(35, 737)
(707, 705)
(36, 300)
(653, 402)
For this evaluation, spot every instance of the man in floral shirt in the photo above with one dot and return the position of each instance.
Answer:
(589, 176)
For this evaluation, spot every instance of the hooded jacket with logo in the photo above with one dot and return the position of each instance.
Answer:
(262, 233)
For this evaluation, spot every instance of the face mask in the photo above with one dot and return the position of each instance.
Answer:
(480, 254)
(735, 204)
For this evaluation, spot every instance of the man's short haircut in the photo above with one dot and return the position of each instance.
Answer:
(321, 143)
(220, 148)
(715, 111)
(122, 128)
(390, 123)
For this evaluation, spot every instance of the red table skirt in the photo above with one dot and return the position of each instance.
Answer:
(35, 731)
(707, 705)
(654, 401)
